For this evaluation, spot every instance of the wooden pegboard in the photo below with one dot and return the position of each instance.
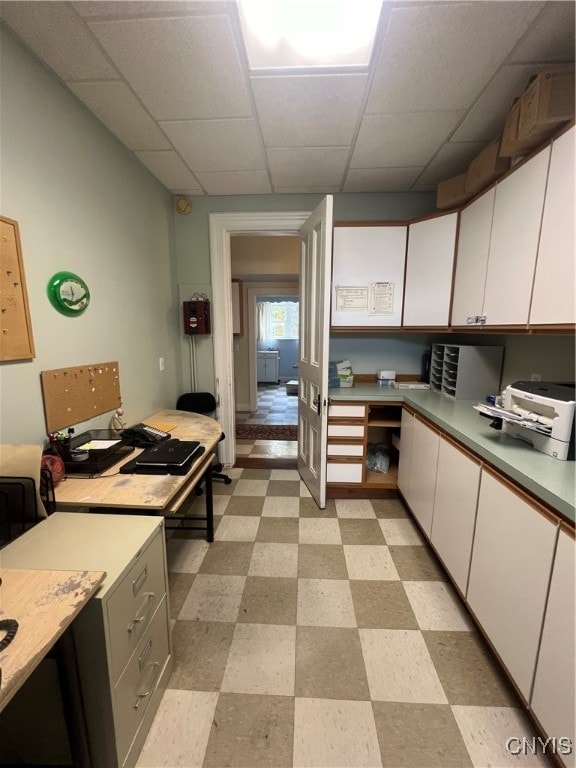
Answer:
(72, 395)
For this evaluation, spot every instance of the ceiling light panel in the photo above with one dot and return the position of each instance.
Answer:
(284, 34)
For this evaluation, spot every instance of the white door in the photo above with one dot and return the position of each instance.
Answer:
(315, 270)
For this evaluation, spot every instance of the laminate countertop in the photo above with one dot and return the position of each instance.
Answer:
(550, 480)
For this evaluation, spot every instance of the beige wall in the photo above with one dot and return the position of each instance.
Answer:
(264, 256)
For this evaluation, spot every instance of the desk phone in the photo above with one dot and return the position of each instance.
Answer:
(144, 436)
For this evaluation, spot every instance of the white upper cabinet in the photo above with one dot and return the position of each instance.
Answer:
(553, 295)
(368, 275)
(472, 259)
(516, 224)
(429, 267)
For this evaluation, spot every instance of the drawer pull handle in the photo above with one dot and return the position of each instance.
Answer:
(155, 669)
(144, 610)
(139, 581)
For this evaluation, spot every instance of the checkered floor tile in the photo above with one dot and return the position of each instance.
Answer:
(328, 638)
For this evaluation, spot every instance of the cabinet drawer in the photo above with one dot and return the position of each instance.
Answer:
(134, 690)
(345, 449)
(133, 603)
(345, 430)
(347, 411)
(343, 472)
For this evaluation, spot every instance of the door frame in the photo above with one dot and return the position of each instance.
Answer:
(221, 227)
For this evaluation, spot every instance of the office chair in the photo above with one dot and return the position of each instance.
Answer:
(204, 403)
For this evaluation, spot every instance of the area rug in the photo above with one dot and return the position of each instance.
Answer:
(266, 432)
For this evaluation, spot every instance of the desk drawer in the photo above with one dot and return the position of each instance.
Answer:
(345, 430)
(347, 411)
(344, 472)
(134, 602)
(134, 690)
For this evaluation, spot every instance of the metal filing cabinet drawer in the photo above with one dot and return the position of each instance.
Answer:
(133, 690)
(134, 602)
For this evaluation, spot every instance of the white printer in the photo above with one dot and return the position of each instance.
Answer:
(541, 413)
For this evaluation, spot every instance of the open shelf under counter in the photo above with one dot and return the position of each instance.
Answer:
(386, 480)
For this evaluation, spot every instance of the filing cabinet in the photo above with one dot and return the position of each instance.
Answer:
(122, 636)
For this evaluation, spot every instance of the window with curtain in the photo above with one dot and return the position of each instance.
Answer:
(277, 320)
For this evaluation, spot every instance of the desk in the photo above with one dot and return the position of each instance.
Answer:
(44, 603)
(153, 494)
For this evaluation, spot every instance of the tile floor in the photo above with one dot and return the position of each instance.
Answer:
(328, 638)
(274, 407)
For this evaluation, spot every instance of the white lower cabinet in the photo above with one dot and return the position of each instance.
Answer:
(554, 693)
(122, 636)
(424, 462)
(509, 575)
(457, 483)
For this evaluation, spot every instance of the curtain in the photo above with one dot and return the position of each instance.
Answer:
(264, 320)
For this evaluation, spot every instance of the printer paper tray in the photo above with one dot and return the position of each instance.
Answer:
(519, 421)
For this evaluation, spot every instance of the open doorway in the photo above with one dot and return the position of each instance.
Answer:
(266, 270)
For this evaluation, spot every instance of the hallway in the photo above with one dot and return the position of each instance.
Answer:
(274, 407)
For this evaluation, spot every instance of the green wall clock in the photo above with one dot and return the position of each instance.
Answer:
(68, 293)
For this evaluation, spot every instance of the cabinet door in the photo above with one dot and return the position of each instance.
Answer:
(457, 483)
(514, 242)
(553, 294)
(425, 445)
(429, 266)
(509, 575)
(368, 275)
(553, 695)
(472, 258)
(405, 462)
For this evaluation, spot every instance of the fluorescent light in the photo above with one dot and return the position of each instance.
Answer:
(309, 33)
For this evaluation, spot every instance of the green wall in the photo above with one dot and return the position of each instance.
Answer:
(83, 204)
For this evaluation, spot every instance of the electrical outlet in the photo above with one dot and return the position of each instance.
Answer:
(161, 363)
(535, 377)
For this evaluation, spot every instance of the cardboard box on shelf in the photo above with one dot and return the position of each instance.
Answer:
(547, 103)
(486, 168)
(452, 192)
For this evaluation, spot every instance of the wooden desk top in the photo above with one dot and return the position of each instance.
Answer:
(44, 603)
(162, 493)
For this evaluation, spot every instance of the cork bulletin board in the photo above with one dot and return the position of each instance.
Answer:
(72, 395)
(16, 339)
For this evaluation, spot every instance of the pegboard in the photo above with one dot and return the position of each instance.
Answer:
(72, 395)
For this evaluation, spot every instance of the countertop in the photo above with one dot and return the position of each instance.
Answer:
(549, 479)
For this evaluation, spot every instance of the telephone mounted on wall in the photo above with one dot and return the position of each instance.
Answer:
(144, 436)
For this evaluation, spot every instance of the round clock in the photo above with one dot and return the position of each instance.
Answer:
(68, 293)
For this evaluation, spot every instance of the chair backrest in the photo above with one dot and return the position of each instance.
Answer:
(197, 402)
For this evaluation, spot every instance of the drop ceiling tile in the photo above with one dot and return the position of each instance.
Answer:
(485, 120)
(451, 159)
(192, 68)
(380, 179)
(236, 183)
(218, 145)
(308, 110)
(440, 56)
(133, 8)
(60, 38)
(169, 169)
(551, 36)
(401, 141)
(307, 167)
(306, 190)
(121, 112)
